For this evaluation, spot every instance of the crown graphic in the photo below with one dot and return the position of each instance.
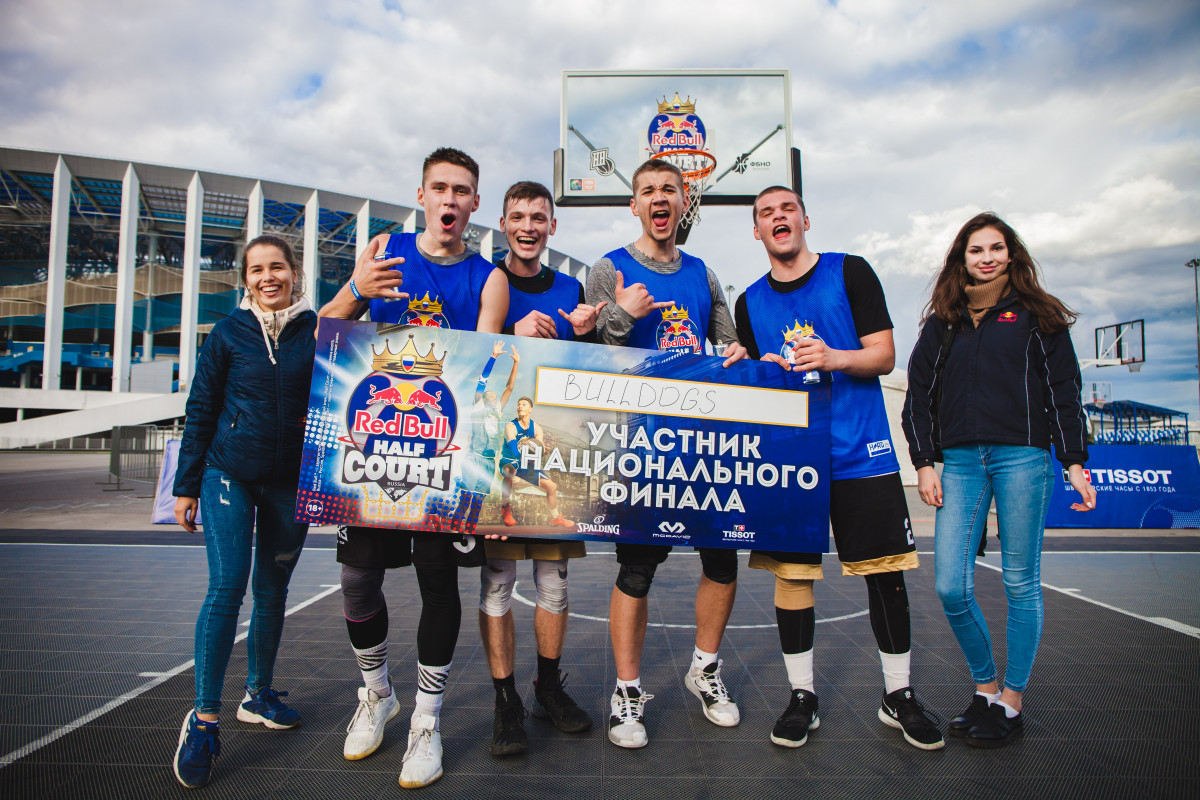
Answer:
(408, 361)
(676, 106)
(798, 331)
(425, 305)
(674, 314)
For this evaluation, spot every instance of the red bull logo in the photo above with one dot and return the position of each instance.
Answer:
(676, 127)
(416, 398)
(404, 425)
(1007, 316)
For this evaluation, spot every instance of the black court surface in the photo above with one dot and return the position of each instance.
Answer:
(96, 636)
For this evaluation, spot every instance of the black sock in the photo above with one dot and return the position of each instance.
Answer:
(506, 688)
(547, 673)
(797, 629)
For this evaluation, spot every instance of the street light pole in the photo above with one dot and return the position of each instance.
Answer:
(1194, 266)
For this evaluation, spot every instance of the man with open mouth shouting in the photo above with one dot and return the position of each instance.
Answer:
(445, 285)
(826, 313)
(660, 298)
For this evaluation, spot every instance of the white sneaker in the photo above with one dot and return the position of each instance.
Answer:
(364, 734)
(714, 697)
(423, 759)
(625, 728)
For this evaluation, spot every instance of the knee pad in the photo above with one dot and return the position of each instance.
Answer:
(635, 579)
(793, 595)
(720, 566)
(362, 592)
(496, 579)
(550, 577)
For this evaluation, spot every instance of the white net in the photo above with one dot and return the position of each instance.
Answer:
(696, 166)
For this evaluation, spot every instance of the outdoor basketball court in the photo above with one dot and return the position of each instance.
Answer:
(97, 639)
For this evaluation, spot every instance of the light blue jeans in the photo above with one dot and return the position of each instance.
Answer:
(229, 508)
(1022, 480)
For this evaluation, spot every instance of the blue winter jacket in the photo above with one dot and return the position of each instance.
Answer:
(245, 415)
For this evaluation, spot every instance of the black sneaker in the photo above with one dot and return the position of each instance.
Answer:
(902, 710)
(553, 703)
(508, 727)
(801, 717)
(962, 723)
(995, 728)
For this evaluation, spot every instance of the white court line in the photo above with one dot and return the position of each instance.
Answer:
(589, 617)
(1164, 622)
(161, 678)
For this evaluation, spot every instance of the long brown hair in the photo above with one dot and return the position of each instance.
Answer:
(949, 294)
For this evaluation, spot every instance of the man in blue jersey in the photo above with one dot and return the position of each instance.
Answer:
(446, 285)
(826, 313)
(660, 298)
(547, 304)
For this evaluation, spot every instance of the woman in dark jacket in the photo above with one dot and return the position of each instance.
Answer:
(993, 383)
(240, 458)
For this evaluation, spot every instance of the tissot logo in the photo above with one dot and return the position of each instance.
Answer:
(672, 527)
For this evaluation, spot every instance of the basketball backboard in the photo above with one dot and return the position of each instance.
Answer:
(613, 120)
(1122, 344)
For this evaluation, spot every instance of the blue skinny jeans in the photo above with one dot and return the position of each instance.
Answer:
(229, 509)
(1022, 480)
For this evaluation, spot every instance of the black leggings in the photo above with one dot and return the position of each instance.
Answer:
(441, 614)
(887, 599)
(441, 610)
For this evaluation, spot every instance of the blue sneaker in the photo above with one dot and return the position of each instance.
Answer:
(199, 744)
(264, 707)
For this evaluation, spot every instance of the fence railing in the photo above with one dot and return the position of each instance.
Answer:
(135, 453)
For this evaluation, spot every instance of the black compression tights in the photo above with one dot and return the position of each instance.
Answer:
(887, 599)
(441, 615)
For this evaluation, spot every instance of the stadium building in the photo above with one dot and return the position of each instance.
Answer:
(112, 272)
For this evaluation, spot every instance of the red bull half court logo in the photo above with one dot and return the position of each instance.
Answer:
(401, 420)
(676, 126)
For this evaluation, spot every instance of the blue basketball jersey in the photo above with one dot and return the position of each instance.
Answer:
(861, 438)
(563, 293)
(510, 453)
(683, 326)
(439, 295)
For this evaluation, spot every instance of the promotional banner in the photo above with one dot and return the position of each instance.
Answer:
(422, 428)
(1137, 486)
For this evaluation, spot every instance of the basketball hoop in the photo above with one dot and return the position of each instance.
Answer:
(696, 166)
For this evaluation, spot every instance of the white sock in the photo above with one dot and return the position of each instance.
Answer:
(372, 662)
(701, 659)
(991, 698)
(800, 669)
(636, 683)
(895, 670)
(431, 688)
(1009, 711)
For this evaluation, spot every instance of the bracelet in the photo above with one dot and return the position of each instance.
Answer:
(354, 291)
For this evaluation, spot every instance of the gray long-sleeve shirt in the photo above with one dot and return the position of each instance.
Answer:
(615, 323)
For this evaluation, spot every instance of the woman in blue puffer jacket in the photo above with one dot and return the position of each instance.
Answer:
(240, 458)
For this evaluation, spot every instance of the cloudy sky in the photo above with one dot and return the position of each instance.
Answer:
(1076, 121)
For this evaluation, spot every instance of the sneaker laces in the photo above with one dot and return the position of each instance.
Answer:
(366, 708)
(712, 685)
(798, 708)
(269, 697)
(419, 746)
(200, 741)
(558, 693)
(915, 710)
(629, 709)
(512, 713)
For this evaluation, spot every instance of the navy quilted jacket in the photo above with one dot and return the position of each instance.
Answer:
(245, 415)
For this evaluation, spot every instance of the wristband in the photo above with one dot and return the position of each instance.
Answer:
(354, 291)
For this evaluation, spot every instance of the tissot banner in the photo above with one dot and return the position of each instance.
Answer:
(1137, 486)
(417, 428)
